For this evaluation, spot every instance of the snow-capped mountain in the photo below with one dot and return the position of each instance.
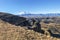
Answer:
(26, 14)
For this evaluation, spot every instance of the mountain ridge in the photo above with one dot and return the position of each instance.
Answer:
(41, 15)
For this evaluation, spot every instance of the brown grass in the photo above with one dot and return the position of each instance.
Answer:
(12, 32)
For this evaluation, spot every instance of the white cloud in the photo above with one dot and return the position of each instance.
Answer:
(21, 12)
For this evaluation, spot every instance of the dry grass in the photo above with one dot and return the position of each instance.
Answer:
(12, 32)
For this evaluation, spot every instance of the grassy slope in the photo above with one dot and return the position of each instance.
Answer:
(12, 32)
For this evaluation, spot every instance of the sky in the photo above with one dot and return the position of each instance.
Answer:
(30, 6)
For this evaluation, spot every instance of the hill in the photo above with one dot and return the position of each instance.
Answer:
(13, 19)
(14, 27)
(12, 32)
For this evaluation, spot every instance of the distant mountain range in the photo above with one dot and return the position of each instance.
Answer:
(41, 15)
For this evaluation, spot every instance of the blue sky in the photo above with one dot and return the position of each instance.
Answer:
(32, 6)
